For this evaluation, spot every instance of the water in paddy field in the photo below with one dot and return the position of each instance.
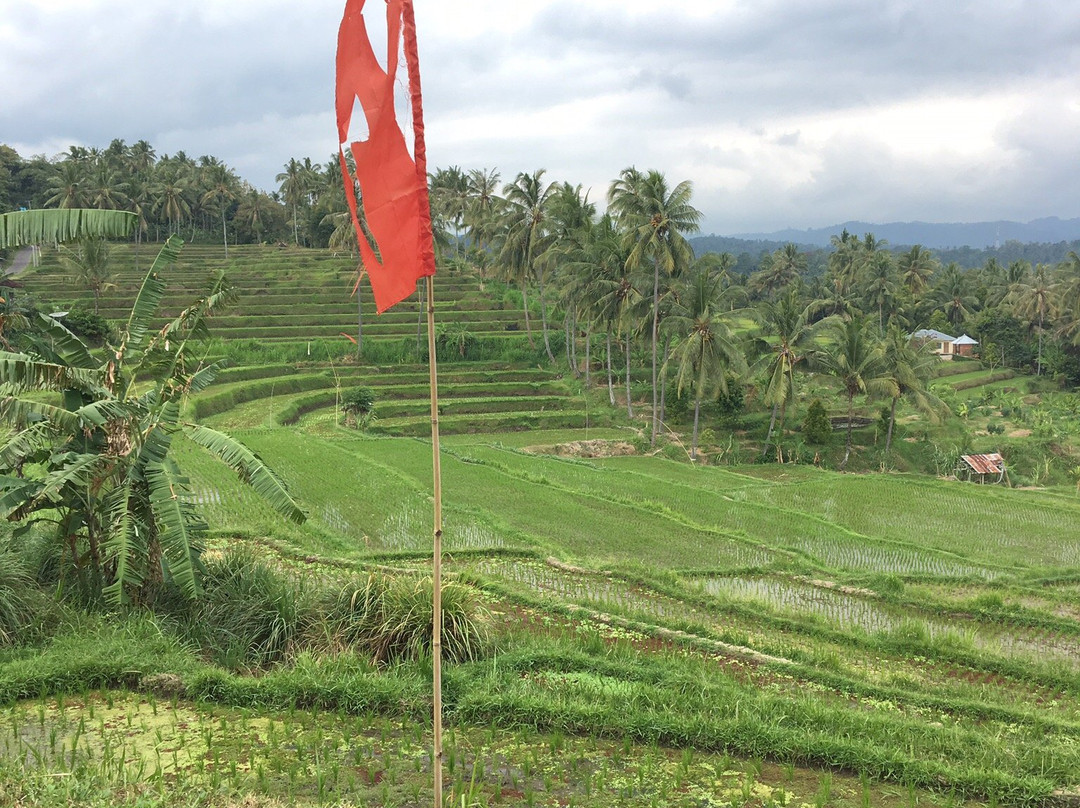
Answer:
(410, 528)
(854, 613)
(590, 590)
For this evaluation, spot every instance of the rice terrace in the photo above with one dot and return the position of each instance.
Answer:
(724, 523)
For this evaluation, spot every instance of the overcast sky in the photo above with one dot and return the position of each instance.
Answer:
(799, 113)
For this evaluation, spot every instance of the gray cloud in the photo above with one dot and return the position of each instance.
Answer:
(782, 112)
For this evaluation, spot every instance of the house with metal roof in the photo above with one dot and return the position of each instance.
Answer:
(964, 345)
(944, 345)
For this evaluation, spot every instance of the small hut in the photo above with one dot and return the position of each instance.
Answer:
(964, 345)
(981, 466)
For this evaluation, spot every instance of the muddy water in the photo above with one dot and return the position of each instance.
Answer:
(854, 613)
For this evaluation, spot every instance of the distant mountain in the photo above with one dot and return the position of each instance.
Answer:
(933, 235)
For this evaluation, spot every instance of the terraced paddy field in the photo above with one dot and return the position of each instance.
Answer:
(918, 632)
(663, 634)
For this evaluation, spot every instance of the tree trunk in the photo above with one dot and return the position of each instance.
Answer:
(892, 420)
(697, 413)
(610, 375)
(1038, 359)
(295, 227)
(850, 416)
(663, 383)
(772, 425)
(780, 433)
(572, 338)
(525, 306)
(543, 317)
(588, 359)
(224, 232)
(655, 336)
(629, 409)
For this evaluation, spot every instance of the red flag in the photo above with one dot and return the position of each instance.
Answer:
(393, 185)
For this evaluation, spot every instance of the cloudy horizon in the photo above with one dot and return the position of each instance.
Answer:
(782, 113)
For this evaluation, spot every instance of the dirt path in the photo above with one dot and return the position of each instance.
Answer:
(20, 262)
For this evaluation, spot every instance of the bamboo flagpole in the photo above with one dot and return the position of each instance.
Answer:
(436, 570)
(396, 242)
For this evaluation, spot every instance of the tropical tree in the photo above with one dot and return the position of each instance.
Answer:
(172, 188)
(655, 218)
(68, 189)
(294, 185)
(853, 354)
(97, 466)
(222, 186)
(482, 208)
(910, 366)
(917, 267)
(106, 189)
(90, 266)
(952, 293)
(880, 285)
(778, 271)
(1068, 295)
(706, 350)
(1033, 301)
(785, 340)
(843, 262)
(527, 236)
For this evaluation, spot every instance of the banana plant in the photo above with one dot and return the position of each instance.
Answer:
(92, 461)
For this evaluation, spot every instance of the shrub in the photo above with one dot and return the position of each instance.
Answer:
(391, 618)
(359, 406)
(731, 404)
(86, 324)
(16, 601)
(816, 428)
(249, 615)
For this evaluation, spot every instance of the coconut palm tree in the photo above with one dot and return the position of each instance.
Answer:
(612, 293)
(844, 262)
(90, 266)
(527, 236)
(785, 340)
(294, 188)
(482, 209)
(706, 350)
(1033, 301)
(911, 366)
(917, 267)
(953, 295)
(172, 188)
(222, 186)
(655, 219)
(778, 271)
(853, 354)
(880, 286)
(68, 189)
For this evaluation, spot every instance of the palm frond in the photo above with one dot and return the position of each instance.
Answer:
(204, 377)
(127, 540)
(68, 346)
(250, 468)
(15, 492)
(24, 372)
(177, 528)
(149, 298)
(22, 412)
(52, 226)
(22, 446)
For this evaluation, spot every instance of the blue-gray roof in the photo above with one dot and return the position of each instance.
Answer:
(937, 336)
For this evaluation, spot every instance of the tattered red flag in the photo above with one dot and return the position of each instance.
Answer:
(393, 184)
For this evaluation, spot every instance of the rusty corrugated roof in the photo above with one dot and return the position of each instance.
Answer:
(985, 463)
